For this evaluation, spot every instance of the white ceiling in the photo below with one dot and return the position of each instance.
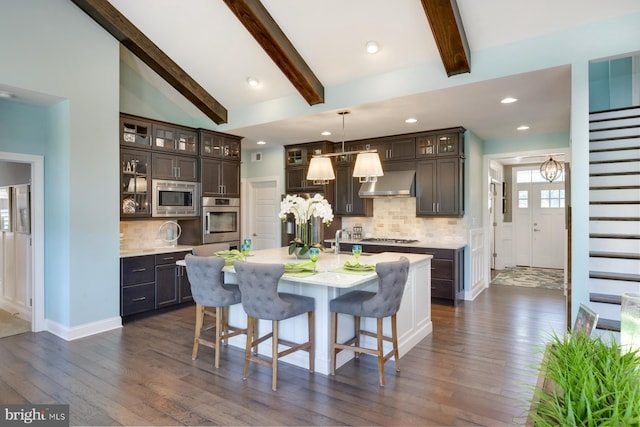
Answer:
(212, 46)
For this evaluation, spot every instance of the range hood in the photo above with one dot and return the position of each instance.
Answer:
(391, 184)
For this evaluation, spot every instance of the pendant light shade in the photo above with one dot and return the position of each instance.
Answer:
(368, 167)
(551, 169)
(320, 170)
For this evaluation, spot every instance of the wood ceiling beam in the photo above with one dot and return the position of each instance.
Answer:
(257, 20)
(133, 39)
(448, 32)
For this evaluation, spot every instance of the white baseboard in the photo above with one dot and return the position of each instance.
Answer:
(473, 293)
(75, 332)
(24, 313)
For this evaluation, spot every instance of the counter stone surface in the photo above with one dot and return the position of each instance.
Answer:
(125, 253)
(418, 244)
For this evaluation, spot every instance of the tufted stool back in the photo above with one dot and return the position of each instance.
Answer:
(206, 282)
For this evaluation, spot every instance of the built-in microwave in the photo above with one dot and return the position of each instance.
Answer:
(175, 198)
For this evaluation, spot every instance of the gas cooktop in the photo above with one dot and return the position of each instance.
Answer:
(387, 240)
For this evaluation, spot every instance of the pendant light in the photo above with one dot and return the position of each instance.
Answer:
(551, 169)
(367, 167)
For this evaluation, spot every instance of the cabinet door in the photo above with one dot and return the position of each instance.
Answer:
(163, 166)
(449, 189)
(426, 180)
(296, 179)
(426, 146)
(166, 285)
(134, 132)
(342, 197)
(184, 285)
(186, 141)
(230, 178)
(449, 144)
(401, 149)
(210, 177)
(164, 137)
(186, 168)
(135, 183)
(295, 156)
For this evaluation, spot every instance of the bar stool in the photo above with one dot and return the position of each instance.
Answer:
(392, 278)
(261, 300)
(212, 298)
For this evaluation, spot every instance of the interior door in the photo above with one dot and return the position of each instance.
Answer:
(547, 225)
(262, 224)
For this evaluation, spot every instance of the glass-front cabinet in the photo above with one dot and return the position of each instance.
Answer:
(135, 185)
(171, 138)
(135, 132)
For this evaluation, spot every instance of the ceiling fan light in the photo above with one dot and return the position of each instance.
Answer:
(320, 170)
(551, 169)
(367, 166)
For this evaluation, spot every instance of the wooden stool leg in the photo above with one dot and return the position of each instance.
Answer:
(198, 329)
(394, 338)
(247, 352)
(334, 337)
(225, 325)
(218, 331)
(312, 340)
(356, 327)
(380, 351)
(274, 355)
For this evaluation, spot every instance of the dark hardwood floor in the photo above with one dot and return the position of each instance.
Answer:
(476, 368)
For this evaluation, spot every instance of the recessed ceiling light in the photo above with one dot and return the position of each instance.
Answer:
(325, 133)
(411, 120)
(523, 127)
(261, 142)
(253, 82)
(509, 100)
(5, 94)
(372, 47)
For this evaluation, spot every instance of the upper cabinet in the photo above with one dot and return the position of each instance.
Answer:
(390, 148)
(135, 132)
(214, 144)
(446, 142)
(176, 139)
(296, 160)
(173, 167)
(135, 184)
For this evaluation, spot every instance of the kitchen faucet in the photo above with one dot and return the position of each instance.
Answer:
(336, 247)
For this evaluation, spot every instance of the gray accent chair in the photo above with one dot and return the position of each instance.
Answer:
(392, 278)
(212, 298)
(261, 300)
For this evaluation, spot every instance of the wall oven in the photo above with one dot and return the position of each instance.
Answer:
(220, 220)
(175, 198)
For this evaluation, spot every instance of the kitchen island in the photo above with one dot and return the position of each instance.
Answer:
(331, 281)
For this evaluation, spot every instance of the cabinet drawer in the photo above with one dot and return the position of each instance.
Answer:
(442, 289)
(135, 270)
(442, 269)
(437, 253)
(170, 258)
(138, 298)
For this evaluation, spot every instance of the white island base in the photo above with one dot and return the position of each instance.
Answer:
(413, 318)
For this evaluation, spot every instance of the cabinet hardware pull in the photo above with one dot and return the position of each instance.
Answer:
(138, 270)
(433, 208)
(139, 299)
(169, 258)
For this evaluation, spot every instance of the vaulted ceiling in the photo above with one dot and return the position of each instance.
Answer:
(308, 54)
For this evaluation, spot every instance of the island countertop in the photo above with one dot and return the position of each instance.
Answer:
(327, 265)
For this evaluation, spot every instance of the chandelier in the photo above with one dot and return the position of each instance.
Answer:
(367, 167)
(551, 169)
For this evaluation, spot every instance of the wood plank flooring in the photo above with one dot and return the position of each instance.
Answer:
(476, 368)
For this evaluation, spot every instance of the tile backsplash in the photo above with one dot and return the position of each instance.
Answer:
(142, 234)
(395, 217)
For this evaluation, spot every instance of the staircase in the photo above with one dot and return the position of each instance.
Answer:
(614, 211)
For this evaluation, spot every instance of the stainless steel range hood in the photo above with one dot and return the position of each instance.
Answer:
(391, 184)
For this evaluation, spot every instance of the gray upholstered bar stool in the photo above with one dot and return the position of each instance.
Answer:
(261, 300)
(212, 298)
(392, 278)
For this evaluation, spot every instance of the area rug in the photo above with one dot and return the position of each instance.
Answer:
(530, 277)
(10, 324)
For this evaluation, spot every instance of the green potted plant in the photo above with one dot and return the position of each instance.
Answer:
(586, 382)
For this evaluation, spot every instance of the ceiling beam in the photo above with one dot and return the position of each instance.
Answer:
(448, 32)
(133, 39)
(257, 20)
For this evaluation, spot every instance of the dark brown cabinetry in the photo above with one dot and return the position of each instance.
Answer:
(297, 158)
(151, 282)
(214, 144)
(135, 132)
(173, 167)
(220, 177)
(137, 285)
(135, 184)
(389, 148)
(447, 269)
(175, 139)
(346, 199)
(440, 173)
